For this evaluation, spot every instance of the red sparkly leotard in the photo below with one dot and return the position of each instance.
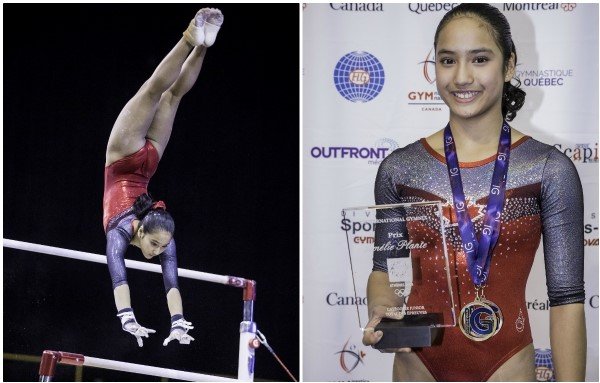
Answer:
(124, 181)
(543, 196)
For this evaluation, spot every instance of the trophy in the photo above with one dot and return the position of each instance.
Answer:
(400, 251)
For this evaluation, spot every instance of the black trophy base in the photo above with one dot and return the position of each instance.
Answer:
(412, 331)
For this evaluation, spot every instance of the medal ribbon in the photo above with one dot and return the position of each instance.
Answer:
(479, 253)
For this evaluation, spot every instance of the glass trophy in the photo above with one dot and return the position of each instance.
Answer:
(400, 252)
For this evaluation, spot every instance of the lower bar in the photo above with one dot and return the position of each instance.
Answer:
(153, 371)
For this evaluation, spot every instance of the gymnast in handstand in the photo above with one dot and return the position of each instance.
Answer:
(137, 142)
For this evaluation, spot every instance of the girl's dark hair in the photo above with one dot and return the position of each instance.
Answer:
(152, 219)
(513, 97)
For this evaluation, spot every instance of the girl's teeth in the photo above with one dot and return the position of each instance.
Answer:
(465, 94)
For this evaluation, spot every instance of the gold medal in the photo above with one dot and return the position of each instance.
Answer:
(480, 319)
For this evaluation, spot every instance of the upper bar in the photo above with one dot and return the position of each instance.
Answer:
(145, 266)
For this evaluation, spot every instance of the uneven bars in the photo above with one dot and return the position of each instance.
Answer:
(51, 358)
(83, 256)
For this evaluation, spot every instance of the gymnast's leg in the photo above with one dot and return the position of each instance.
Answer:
(131, 127)
(161, 127)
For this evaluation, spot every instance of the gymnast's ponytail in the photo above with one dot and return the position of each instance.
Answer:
(153, 215)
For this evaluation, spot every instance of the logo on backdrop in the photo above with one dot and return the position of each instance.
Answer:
(428, 100)
(420, 8)
(544, 304)
(567, 7)
(373, 155)
(590, 231)
(357, 7)
(359, 76)
(536, 305)
(350, 356)
(429, 67)
(335, 299)
(580, 153)
(544, 77)
(544, 368)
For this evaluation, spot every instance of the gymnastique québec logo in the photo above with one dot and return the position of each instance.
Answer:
(359, 76)
(350, 356)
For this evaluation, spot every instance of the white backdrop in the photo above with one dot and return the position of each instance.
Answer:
(345, 140)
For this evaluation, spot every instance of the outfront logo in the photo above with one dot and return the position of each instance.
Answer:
(544, 369)
(373, 155)
(350, 357)
(359, 76)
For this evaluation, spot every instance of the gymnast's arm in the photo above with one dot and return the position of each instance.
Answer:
(168, 262)
(379, 295)
(179, 326)
(562, 220)
(117, 240)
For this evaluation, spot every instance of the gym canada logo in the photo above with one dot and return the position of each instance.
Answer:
(350, 357)
(544, 368)
(428, 100)
(359, 76)
(373, 155)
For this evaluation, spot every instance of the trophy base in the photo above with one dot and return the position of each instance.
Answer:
(412, 331)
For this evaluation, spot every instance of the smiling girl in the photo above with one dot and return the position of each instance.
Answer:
(523, 188)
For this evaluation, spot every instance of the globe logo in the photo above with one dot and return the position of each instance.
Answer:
(359, 76)
(544, 369)
(387, 143)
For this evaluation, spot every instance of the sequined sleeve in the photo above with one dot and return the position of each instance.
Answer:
(562, 221)
(168, 262)
(117, 240)
(385, 193)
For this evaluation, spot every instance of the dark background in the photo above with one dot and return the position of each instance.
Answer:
(229, 177)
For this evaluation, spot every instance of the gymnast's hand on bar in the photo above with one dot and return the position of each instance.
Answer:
(135, 329)
(371, 337)
(179, 329)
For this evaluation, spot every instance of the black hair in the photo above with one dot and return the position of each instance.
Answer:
(512, 96)
(152, 219)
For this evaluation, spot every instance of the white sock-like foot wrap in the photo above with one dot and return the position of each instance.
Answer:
(214, 19)
(193, 34)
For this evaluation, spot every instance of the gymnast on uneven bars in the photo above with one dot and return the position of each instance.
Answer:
(136, 144)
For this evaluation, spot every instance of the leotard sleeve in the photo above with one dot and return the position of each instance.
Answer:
(117, 240)
(562, 228)
(168, 262)
(386, 193)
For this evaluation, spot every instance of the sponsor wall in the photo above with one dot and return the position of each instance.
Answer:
(369, 88)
